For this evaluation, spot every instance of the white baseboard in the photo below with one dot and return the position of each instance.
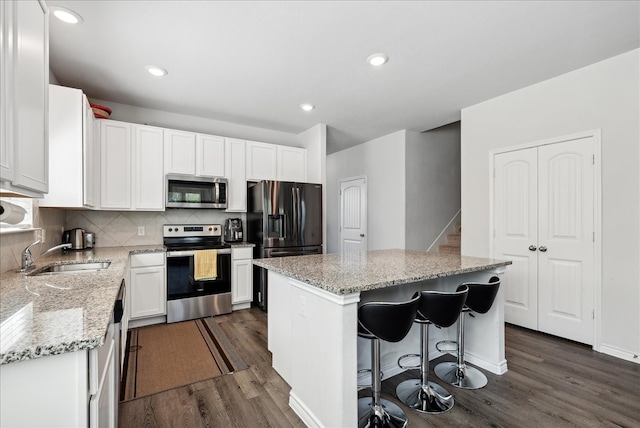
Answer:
(240, 306)
(303, 411)
(143, 322)
(620, 353)
(499, 369)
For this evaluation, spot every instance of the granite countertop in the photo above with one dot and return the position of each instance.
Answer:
(242, 244)
(53, 314)
(355, 272)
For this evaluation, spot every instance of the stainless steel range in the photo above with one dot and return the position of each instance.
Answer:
(187, 298)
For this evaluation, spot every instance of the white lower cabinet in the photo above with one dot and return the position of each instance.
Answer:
(241, 277)
(147, 290)
(74, 389)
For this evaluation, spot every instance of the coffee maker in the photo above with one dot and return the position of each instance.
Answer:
(233, 230)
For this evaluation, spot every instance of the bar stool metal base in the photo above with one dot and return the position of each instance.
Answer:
(466, 377)
(385, 414)
(432, 399)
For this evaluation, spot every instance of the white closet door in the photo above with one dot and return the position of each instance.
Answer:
(565, 232)
(516, 224)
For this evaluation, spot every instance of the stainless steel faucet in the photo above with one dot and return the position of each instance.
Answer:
(27, 260)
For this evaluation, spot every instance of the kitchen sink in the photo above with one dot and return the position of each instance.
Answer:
(70, 268)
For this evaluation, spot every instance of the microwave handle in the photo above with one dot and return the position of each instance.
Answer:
(216, 195)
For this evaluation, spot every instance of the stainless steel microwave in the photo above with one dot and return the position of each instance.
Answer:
(190, 191)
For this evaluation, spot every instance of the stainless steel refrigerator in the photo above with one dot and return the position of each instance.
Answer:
(283, 219)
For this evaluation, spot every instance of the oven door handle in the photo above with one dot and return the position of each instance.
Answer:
(171, 254)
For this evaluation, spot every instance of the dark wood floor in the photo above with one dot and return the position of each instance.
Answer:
(550, 383)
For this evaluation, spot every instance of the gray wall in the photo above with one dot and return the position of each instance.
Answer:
(382, 161)
(601, 96)
(432, 183)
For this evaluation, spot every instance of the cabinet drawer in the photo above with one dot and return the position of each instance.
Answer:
(242, 253)
(147, 259)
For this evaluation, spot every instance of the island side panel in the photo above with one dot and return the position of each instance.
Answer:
(312, 336)
(279, 324)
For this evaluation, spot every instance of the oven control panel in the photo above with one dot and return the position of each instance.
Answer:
(187, 230)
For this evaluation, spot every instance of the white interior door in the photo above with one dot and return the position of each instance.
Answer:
(516, 225)
(544, 211)
(353, 215)
(566, 239)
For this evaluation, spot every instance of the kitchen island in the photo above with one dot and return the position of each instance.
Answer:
(312, 321)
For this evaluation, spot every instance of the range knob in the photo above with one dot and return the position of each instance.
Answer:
(210, 228)
(215, 229)
(170, 230)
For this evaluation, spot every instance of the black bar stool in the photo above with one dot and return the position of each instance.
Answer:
(480, 300)
(389, 321)
(441, 309)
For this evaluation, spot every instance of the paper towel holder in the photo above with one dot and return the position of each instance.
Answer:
(11, 213)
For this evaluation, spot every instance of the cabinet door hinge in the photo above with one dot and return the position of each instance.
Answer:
(594, 237)
(593, 159)
(593, 314)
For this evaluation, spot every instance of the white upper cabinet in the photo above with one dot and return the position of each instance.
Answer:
(132, 173)
(261, 161)
(180, 152)
(115, 165)
(71, 151)
(235, 155)
(210, 159)
(148, 171)
(292, 164)
(275, 162)
(24, 95)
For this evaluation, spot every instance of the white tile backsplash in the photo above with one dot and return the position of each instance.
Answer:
(120, 228)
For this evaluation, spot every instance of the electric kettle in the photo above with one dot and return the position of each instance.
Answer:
(75, 237)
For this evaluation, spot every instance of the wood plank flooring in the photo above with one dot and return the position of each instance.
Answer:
(551, 382)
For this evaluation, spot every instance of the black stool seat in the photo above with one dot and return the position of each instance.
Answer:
(480, 300)
(441, 309)
(389, 321)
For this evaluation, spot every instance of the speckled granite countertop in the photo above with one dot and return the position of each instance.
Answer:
(54, 314)
(362, 271)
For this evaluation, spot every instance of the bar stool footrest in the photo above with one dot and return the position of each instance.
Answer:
(407, 356)
(449, 346)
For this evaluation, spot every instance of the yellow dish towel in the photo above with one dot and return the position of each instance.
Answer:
(205, 265)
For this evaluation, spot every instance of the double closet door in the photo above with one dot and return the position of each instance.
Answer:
(544, 223)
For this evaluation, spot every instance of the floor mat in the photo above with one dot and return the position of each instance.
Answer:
(166, 356)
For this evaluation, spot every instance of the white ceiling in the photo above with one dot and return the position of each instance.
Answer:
(254, 63)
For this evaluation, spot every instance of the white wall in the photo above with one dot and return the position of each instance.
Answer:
(382, 161)
(602, 96)
(133, 114)
(433, 183)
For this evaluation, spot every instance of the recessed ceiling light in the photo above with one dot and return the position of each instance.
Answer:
(66, 15)
(156, 71)
(307, 107)
(377, 59)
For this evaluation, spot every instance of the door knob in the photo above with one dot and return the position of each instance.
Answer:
(543, 249)
(362, 235)
(532, 248)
